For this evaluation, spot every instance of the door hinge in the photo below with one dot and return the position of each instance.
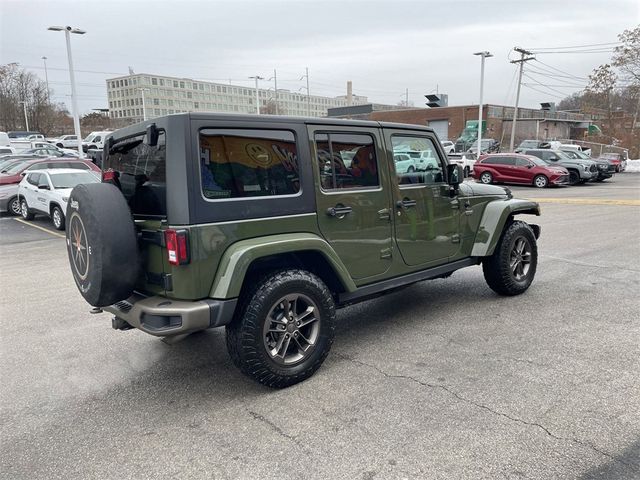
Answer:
(455, 204)
(455, 238)
(386, 253)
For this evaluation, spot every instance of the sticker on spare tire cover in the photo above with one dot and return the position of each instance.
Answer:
(79, 249)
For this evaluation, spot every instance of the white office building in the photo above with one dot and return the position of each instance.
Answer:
(167, 95)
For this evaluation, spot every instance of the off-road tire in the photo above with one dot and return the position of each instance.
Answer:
(58, 222)
(496, 268)
(540, 181)
(26, 213)
(102, 243)
(245, 340)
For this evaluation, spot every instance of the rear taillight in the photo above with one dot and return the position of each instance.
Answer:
(177, 242)
(108, 175)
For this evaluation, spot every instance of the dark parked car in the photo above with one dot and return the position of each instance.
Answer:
(516, 168)
(489, 145)
(580, 171)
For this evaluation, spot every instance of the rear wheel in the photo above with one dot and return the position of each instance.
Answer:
(283, 328)
(25, 212)
(541, 181)
(57, 217)
(486, 178)
(512, 267)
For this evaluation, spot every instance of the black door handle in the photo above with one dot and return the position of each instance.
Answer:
(339, 211)
(406, 203)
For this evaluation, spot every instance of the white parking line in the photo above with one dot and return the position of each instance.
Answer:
(39, 228)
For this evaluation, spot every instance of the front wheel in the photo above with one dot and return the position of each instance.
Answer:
(511, 268)
(58, 218)
(14, 206)
(574, 177)
(541, 181)
(283, 328)
(486, 178)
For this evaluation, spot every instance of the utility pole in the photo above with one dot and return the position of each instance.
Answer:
(26, 120)
(275, 86)
(46, 77)
(406, 98)
(256, 78)
(522, 61)
(483, 55)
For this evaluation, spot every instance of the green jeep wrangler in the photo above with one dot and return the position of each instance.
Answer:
(267, 224)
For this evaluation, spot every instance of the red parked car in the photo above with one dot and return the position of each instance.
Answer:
(518, 168)
(13, 172)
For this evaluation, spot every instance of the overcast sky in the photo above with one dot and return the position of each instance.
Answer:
(384, 47)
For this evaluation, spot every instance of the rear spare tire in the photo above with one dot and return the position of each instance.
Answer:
(101, 243)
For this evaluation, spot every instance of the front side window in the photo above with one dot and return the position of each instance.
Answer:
(248, 163)
(139, 171)
(346, 161)
(33, 178)
(416, 160)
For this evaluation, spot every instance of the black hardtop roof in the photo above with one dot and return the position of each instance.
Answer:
(234, 119)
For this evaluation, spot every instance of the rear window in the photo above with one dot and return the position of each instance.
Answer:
(70, 180)
(139, 171)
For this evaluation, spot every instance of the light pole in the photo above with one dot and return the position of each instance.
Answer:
(483, 55)
(144, 111)
(257, 77)
(46, 77)
(74, 97)
(26, 120)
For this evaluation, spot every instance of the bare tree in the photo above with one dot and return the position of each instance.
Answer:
(626, 57)
(18, 86)
(601, 83)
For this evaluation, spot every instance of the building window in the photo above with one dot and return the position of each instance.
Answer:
(154, 81)
(189, 95)
(181, 84)
(196, 105)
(156, 101)
(175, 84)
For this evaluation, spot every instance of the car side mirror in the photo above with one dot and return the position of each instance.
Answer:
(21, 174)
(43, 186)
(530, 165)
(455, 175)
(152, 135)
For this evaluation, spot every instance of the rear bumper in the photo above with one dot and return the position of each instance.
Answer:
(161, 316)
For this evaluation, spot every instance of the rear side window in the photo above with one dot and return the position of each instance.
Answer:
(33, 178)
(138, 170)
(346, 161)
(248, 163)
(79, 165)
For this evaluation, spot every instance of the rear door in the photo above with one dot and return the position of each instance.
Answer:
(354, 212)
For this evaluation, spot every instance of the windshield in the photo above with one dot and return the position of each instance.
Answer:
(71, 179)
(485, 143)
(529, 144)
(138, 170)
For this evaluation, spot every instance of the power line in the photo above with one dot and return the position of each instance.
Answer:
(576, 46)
(546, 86)
(556, 69)
(610, 50)
(546, 93)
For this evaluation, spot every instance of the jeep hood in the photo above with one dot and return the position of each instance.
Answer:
(480, 189)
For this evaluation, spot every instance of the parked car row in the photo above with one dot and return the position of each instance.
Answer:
(19, 142)
(544, 167)
(14, 169)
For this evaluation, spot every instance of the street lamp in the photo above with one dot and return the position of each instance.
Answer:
(257, 77)
(74, 97)
(483, 55)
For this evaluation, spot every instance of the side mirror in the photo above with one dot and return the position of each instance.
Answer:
(530, 165)
(22, 174)
(455, 175)
(43, 186)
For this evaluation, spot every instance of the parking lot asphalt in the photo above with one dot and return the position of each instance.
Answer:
(442, 380)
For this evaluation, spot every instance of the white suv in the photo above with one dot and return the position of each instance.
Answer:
(66, 141)
(46, 192)
(95, 140)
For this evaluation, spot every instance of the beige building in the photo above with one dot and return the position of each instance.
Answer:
(167, 95)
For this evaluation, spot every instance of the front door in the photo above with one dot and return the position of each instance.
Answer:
(353, 202)
(426, 216)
